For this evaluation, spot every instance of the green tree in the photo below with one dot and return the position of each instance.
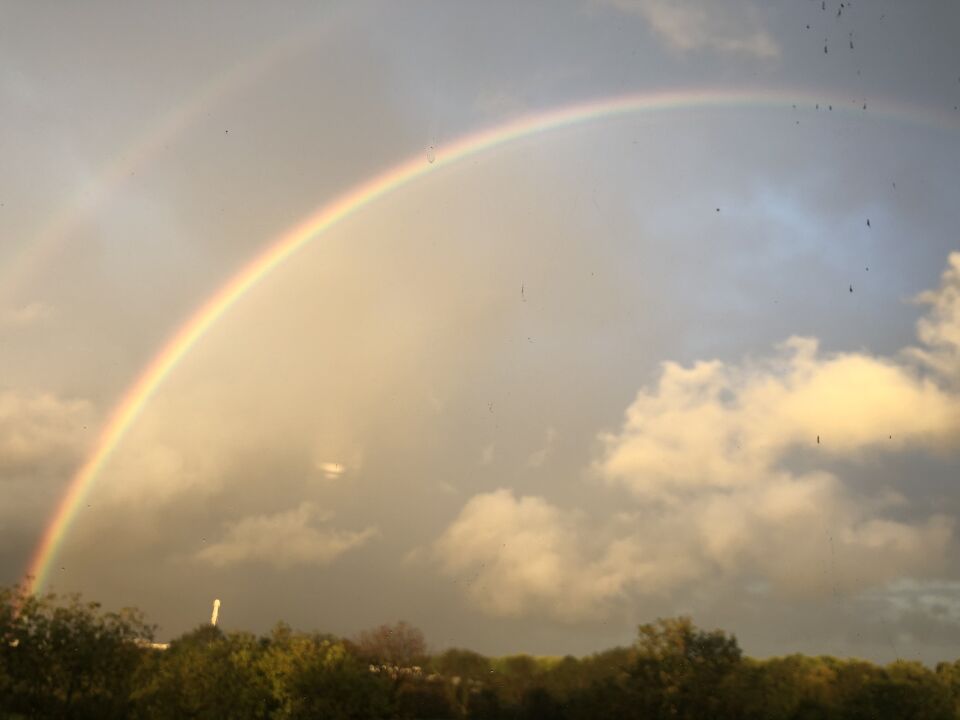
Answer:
(901, 691)
(422, 700)
(485, 704)
(465, 664)
(682, 671)
(206, 674)
(949, 675)
(314, 676)
(538, 704)
(65, 658)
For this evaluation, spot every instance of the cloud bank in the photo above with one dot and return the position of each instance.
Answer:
(731, 471)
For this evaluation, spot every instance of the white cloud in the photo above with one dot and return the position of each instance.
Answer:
(704, 455)
(283, 540)
(706, 452)
(519, 555)
(330, 470)
(719, 426)
(939, 331)
(334, 459)
(731, 27)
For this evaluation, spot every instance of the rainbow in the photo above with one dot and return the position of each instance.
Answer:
(354, 200)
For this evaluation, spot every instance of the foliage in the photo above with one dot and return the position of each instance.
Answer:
(680, 671)
(65, 658)
(205, 674)
(312, 676)
(400, 644)
(61, 657)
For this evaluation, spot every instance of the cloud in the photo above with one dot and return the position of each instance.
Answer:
(41, 432)
(921, 613)
(733, 28)
(42, 440)
(283, 540)
(540, 456)
(715, 449)
(520, 555)
(718, 426)
(731, 471)
(939, 331)
(26, 315)
(938, 598)
(331, 470)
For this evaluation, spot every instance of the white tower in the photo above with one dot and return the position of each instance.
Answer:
(216, 611)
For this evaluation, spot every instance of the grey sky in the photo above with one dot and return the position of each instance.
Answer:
(387, 427)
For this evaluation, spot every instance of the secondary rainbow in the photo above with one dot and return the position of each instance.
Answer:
(147, 146)
(361, 196)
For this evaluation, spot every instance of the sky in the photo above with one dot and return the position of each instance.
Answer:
(690, 359)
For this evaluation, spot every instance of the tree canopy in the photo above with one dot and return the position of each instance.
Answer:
(62, 657)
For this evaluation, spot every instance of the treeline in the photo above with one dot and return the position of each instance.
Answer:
(64, 658)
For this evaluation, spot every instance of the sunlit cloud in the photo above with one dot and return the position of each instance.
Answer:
(710, 456)
(517, 555)
(331, 470)
(283, 540)
(939, 331)
(720, 426)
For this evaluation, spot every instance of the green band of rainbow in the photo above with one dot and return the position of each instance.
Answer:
(355, 199)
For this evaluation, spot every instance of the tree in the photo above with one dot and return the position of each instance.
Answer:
(65, 658)
(949, 675)
(465, 664)
(402, 645)
(681, 671)
(421, 699)
(902, 690)
(538, 704)
(314, 676)
(484, 704)
(206, 674)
